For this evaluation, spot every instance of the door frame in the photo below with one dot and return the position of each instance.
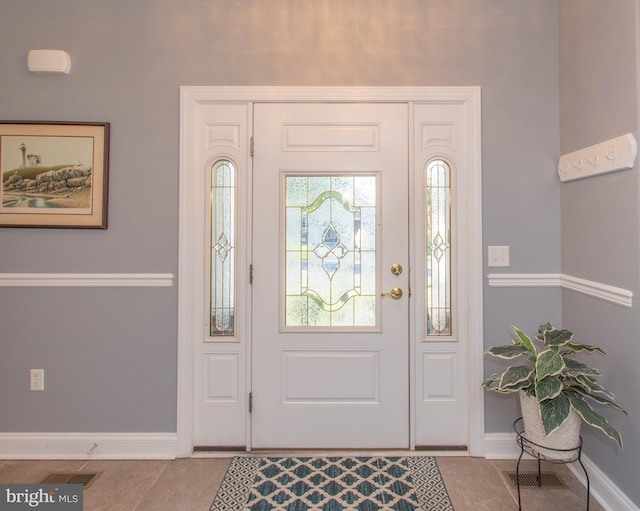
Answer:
(193, 100)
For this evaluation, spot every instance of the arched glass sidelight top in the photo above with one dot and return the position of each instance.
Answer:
(222, 248)
(438, 248)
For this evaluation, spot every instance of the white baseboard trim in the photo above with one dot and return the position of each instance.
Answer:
(602, 488)
(503, 446)
(86, 279)
(611, 294)
(102, 446)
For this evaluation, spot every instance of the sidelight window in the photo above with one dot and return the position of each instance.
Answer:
(438, 252)
(222, 249)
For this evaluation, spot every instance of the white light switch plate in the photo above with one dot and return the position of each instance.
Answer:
(499, 256)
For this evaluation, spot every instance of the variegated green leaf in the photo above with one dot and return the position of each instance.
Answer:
(514, 375)
(521, 385)
(492, 382)
(599, 398)
(554, 413)
(584, 347)
(542, 329)
(507, 352)
(549, 363)
(575, 368)
(526, 341)
(556, 337)
(591, 385)
(548, 388)
(594, 419)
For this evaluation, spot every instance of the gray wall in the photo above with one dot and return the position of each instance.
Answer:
(600, 215)
(110, 355)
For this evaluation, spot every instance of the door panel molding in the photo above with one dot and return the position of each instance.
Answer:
(321, 366)
(207, 112)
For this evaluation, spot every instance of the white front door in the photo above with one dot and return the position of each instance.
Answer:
(330, 341)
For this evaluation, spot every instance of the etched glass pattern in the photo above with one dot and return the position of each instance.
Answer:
(330, 275)
(222, 287)
(438, 256)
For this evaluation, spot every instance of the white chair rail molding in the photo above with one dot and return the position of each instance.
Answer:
(86, 279)
(612, 294)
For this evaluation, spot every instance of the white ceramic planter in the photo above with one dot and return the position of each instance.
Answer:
(566, 436)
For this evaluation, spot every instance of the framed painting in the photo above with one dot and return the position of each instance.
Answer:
(54, 174)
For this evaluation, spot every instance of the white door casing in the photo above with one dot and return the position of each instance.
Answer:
(214, 378)
(344, 384)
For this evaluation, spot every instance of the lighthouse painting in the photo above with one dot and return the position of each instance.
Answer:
(53, 175)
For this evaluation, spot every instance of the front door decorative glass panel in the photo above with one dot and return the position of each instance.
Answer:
(222, 287)
(438, 222)
(330, 246)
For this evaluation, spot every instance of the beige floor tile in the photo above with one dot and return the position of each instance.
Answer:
(122, 485)
(475, 485)
(187, 485)
(34, 471)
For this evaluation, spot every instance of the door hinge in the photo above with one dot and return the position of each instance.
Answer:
(251, 274)
(251, 147)
(250, 402)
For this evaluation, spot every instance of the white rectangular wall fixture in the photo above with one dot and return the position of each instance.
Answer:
(49, 61)
(615, 154)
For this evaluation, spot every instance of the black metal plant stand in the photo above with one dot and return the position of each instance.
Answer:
(529, 447)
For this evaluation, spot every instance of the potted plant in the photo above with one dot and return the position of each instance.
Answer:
(554, 388)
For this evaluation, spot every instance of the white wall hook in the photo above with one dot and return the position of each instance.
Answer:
(615, 154)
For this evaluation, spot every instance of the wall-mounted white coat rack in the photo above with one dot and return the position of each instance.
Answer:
(615, 154)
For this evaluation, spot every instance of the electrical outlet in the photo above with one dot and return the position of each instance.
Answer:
(37, 379)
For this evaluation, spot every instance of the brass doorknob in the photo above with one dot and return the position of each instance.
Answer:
(395, 293)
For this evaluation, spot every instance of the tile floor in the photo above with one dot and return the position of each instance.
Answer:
(191, 484)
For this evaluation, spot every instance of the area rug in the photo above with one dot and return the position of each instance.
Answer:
(333, 484)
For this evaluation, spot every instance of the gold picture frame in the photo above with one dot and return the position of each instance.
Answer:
(54, 174)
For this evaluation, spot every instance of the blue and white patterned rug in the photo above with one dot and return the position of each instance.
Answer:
(411, 483)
